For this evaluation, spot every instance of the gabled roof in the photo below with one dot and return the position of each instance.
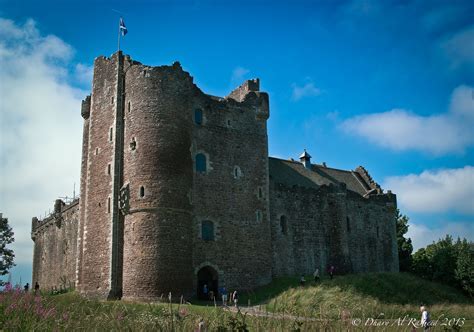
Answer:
(292, 173)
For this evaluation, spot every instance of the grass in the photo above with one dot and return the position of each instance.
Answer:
(331, 305)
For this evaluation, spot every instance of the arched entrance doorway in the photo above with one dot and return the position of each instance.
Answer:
(207, 276)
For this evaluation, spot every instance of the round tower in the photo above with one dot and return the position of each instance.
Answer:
(158, 171)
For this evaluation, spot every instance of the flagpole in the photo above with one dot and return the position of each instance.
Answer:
(119, 36)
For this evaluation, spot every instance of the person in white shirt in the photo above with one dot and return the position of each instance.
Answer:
(425, 318)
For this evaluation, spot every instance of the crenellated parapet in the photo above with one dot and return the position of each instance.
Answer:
(54, 218)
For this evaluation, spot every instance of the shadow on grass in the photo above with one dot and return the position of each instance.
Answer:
(390, 288)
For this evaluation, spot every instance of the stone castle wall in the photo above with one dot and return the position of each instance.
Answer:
(233, 192)
(55, 238)
(331, 226)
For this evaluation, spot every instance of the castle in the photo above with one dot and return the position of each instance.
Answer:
(178, 191)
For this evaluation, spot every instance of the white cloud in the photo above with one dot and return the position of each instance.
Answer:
(401, 130)
(307, 90)
(40, 127)
(460, 48)
(421, 235)
(445, 190)
(84, 73)
(238, 75)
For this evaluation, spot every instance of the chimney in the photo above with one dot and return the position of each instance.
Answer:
(305, 159)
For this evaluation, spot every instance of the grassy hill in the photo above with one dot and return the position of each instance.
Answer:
(313, 307)
(364, 295)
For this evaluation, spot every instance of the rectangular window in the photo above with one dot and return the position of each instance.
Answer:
(198, 116)
(207, 230)
(111, 134)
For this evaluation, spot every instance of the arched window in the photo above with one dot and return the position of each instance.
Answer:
(142, 191)
(207, 230)
(283, 225)
(200, 163)
(198, 116)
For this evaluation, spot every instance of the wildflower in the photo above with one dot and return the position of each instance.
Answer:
(120, 316)
(65, 316)
(183, 312)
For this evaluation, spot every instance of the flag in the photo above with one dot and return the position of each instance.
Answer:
(122, 27)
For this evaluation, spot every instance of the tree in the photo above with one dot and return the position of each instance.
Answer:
(405, 248)
(6, 255)
(448, 262)
(464, 272)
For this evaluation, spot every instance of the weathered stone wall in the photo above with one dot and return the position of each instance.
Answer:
(158, 171)
(95, 268)
(55, 244)
(233, 192)
(332, 226)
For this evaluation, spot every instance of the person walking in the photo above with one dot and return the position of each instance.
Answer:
(205, 292)
(302, 281)
(27, 287)
(224, 296)
(331, 271)
(425, 318)
(235, 298)
(316, 276)
(37, 288)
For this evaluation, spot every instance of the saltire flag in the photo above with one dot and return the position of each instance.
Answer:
(122, 27)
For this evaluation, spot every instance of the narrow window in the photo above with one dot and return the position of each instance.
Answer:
(111, 134)
(228, 123)
(108, 169)
(108, 205)
(129, 107)
(133, 144)
(200, 163)
(283, 225)
(259, 215)
(348, 225)
(207, 230)
(142, 191)
(96, 151)
(198, 116)
(237, 172)
(112, 101)
(260, 192)
(377, 230)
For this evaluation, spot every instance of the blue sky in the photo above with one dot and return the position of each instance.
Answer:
(387, 85)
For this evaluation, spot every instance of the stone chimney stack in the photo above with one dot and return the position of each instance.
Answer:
(305, 159)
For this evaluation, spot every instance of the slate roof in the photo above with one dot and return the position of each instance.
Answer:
(292, 173)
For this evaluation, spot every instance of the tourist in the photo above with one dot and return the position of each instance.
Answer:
(224, 296)
(316, 275)
(425, 318)
(211, 295)
(302, 281)
(205, 291)
(331, 271)
(27, 287)
(235, 298)
(37, 287)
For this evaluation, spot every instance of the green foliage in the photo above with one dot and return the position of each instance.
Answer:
(464, 272)
(448, 262)
(328, 306)
(405, 247)
(6, 255)
(367, 295)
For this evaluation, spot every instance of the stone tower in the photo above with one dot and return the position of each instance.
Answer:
(144, 196)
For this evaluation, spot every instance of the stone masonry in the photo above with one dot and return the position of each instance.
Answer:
(178, 191)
